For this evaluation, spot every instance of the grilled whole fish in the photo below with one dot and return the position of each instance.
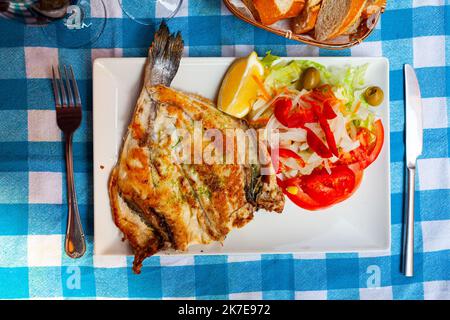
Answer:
(161, 201)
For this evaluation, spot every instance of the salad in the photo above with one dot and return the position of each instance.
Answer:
(320, 125)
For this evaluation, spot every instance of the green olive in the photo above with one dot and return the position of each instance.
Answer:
(374, 96)
(310, 79)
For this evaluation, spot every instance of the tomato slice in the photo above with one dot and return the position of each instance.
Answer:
(327, 110)
(321, 190)
(379, 136)
(282, 108)
(292, 118)
(328, 188)
(300, 198)
(300, 116)
(368, 151)
(316, 144)
(329, 136)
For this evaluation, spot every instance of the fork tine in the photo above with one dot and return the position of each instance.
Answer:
(63, 90)
(75, 88)
(69, 89)
(55, 89)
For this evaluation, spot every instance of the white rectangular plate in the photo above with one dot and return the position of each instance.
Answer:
(361, 223)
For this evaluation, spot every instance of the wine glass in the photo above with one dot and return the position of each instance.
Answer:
(140, 10)
(71, 23)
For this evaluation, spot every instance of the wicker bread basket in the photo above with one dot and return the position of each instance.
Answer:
(282, 28)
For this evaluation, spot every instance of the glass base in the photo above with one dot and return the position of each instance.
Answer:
(81, 24)
(141, 10)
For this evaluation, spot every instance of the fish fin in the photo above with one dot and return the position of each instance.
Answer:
(163, 57)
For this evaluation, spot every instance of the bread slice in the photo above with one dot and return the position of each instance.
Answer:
(271, 11)
(306, 20)
(352, 18)
(336, 16)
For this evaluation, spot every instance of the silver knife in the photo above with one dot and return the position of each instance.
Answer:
(414, 142)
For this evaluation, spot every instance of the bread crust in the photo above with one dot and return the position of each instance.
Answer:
(269, 12)
(356, 8)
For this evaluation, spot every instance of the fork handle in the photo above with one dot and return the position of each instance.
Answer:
(75, 244)
(408, 233)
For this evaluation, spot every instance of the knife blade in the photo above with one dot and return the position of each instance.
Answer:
(414, 145)
(414, 129)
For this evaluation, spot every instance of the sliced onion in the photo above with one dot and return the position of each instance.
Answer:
(338, 128)
(347, 144)
(363, 113)
(285, 144)
(295, 146)
(310, 167)
(313, 158)
(297, 97)
(259, 103)
(303, 146)
(294, 134)
(291, 173)
(333, 159)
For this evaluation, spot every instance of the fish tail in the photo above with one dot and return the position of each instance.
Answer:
(163, 57)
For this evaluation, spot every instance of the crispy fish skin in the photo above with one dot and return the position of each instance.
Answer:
(140, 235)
(160, 202)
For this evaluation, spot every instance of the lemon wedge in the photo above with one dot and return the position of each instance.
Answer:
(239, 87)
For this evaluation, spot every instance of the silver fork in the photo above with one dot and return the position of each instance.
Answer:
(68, 117)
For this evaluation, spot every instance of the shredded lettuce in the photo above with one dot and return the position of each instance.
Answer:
(283, 74)
(269, 59)
(368, 122)
(347, 81)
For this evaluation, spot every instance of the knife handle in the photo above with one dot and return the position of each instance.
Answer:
(408, 233)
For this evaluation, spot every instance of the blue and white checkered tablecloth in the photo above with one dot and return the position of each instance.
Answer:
(32, 173)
